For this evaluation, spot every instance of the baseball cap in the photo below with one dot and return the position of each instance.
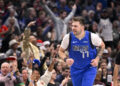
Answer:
(36, 61)
(12, 42)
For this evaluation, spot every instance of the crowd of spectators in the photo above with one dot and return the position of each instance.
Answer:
(31, 32)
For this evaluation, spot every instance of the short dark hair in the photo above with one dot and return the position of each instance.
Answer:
(35, 69)
(80, 19)
(62, 11)
(24, 68)
(41, 12)
(65, 68)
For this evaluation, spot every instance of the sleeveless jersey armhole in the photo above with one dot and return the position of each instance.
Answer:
(91, 41)
(69, 44)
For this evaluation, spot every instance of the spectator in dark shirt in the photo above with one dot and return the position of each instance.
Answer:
(52, 80)
(13, 51)
(2, 84)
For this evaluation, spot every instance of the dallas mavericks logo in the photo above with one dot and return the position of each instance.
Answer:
(82, 49)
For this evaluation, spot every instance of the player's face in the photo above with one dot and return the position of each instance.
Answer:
(76, 27)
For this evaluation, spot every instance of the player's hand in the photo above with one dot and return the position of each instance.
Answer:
(74, 6)
(31, 23)
(65, 81)
(69, 61)
(95, 61)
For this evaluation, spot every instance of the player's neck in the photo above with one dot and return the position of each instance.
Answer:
(81, 35)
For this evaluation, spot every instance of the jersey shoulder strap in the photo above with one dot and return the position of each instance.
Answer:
(91, 41)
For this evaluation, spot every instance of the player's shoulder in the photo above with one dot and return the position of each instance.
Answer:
(94, 34)
(66, 36)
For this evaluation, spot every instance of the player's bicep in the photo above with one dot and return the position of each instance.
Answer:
(65, 42)
(96, 40)
(102, 44)
(61, 49)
